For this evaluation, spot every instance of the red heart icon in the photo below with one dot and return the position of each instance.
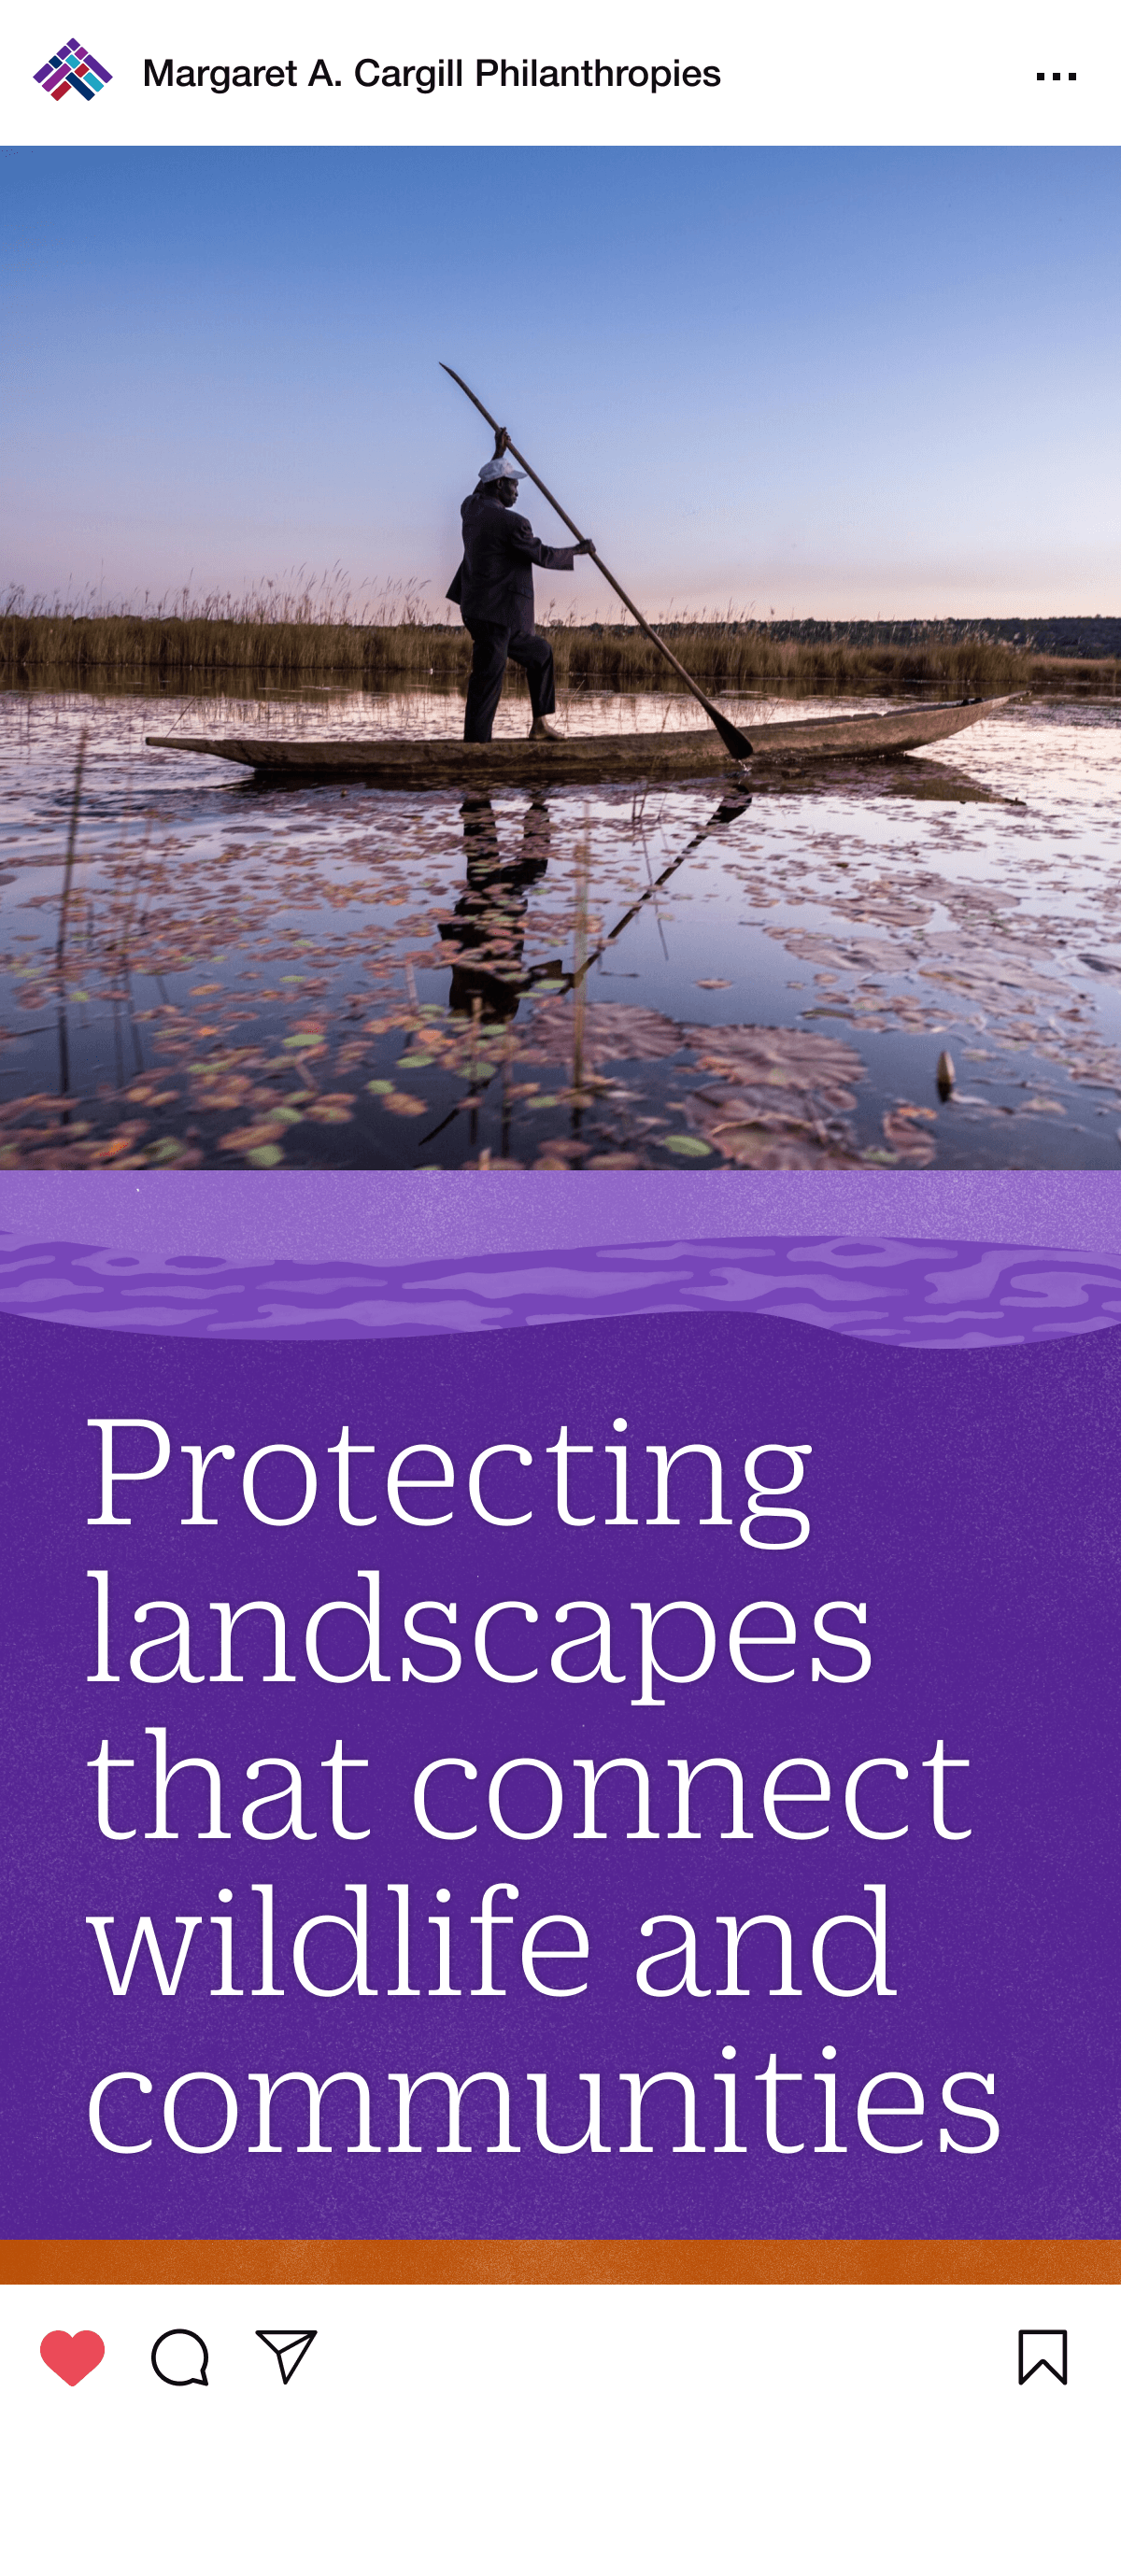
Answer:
(72, 2357)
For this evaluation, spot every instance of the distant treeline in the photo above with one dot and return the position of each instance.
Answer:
(190, 652)
(1091, 639)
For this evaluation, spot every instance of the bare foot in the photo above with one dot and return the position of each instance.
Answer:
(539, 731)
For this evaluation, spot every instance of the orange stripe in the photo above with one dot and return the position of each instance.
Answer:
(562, 2260)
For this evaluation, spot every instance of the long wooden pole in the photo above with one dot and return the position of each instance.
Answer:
(733, 740)
(735, 803)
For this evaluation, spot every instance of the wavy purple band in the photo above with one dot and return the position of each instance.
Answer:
(917, 1295)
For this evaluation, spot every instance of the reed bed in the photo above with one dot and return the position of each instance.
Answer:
(323, 633)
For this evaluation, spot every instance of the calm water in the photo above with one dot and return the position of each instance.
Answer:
(362, 979)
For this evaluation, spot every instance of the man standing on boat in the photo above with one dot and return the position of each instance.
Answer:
(493, 590)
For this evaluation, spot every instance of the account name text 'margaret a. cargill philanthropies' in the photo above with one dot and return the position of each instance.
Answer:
(489, 72)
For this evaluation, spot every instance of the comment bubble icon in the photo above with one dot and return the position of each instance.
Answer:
(180, 2358)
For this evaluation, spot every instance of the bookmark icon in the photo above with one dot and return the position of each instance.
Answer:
(1043, 2348)
(289, 2343)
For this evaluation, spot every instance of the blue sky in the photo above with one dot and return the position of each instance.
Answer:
(828, 382)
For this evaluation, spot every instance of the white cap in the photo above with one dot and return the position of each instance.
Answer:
(501, 469)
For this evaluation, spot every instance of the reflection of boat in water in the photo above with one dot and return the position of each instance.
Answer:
(485, 935)
(486, 932)
(587, 758)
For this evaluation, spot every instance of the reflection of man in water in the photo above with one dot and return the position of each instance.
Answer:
(493, 590)
(489, 921)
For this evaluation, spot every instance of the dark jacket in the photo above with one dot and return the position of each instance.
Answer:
(495, 579)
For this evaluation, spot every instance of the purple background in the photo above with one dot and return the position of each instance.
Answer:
(969, 1498)
(936, 1295)
(407, 1216)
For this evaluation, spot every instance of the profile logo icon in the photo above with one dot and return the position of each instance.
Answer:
(73, 68)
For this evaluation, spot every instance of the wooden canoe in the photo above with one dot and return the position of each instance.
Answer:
(584, 758)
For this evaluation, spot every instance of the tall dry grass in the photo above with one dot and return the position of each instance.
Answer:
(286, 631)
(325, 631)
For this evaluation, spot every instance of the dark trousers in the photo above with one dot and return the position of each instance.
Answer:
(494, 647)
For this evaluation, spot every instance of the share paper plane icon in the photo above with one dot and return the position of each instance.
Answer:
(289, 2343)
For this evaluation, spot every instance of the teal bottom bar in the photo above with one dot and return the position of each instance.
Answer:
(560, 2505)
